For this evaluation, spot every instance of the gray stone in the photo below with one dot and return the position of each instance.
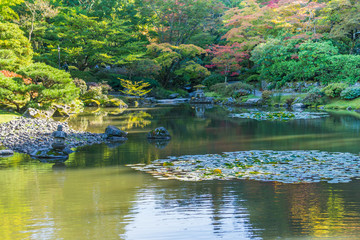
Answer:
(35, 113)
(298, 105)
(253, 101)
(174, 95)
(6, 152)
(349, 108)
(48, 153)
(114, 133)
(159, 133)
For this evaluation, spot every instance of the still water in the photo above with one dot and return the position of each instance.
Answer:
(95, 196)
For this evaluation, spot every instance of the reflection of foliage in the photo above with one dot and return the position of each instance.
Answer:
(136, 119)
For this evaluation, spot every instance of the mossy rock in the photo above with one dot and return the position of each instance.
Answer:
(115, 102)
(61, 112)
(92, 103)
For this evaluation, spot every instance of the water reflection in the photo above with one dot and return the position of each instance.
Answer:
(94, 196)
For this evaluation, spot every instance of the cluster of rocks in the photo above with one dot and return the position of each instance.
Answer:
(38, 137)
(27, 135)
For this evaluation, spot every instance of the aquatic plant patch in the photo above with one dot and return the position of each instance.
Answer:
(267, 165)
(279, 116)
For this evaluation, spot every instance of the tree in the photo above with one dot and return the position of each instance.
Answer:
(227, 58)
(175, 21)
(13, 90)
(344, 18)
(175, 61)
(87, 41)
(17, 46)
(49, 85)
(6, 11)
(134, 88)
(39, 11)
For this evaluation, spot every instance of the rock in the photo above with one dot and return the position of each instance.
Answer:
(349, 108)
(48, 153)
(6, 152)
(61, 112)
(36, 113)
(92, 103)
(159, 133)
(113, 133)
(115, 102)
(174, 95)
(253, 101)
(298, 105)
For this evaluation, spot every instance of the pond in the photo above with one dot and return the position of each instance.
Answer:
(95, 196)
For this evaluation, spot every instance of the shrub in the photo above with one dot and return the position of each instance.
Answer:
(81, 84)
(266, 96)
(333, 90)
(232, 90)
(160, 93)
(350, 93)
(314, 96)
(253, 78)
(213, 79)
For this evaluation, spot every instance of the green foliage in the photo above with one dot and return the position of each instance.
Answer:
(6, 9)
(13, 92)
(49, 85)
(179, 64)
(18, 49)
(232, 90)
(350, 93)
(81, 84)
(340, 68)
(314, 96)
(134, 88)
(266, 97)
(253, 78)
(213, 79)
(334, 90)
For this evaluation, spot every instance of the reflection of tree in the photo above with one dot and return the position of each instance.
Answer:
(136, 119)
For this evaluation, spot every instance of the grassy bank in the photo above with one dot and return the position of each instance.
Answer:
(7, 116)
(343, 104)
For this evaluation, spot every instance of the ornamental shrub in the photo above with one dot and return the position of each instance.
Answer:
(350, 93)
(232, 90)
(333, 90)
(314, 97)
(213, 79)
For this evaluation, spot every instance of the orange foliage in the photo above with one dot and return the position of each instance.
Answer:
(7, 73)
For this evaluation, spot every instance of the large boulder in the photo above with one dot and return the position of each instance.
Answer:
(113, 133)
(159, 133)
(298, 106)
(115, 102)
(36, 113)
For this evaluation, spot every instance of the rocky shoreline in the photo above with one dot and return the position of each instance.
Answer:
(26, 135)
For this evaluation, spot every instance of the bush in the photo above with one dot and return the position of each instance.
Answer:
(213, 79)
(314, 96)
(86, 76)
(350, 93)
(232, 90)
(266, 97)
(253, 78)
(333, 90)
(160, 93)
(81, 84)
